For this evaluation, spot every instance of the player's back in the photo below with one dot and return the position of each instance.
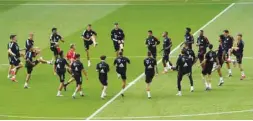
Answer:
(121, 62)
(103, 68)
(149, 64)
(60, 64)
(77, 67)
(184, 64)
(210, 57)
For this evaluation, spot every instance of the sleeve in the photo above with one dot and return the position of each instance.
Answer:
(81, 66)
(10, 45)
(97, 68)
(144, 62)
(128, 61)
(207, 41)
(123, 35)
(94, 33)
(155, 62)
(178, 63)
(28, 44)
(60, 37)
(146, 41)
(55, 63)
(108, 67)
(112, 37)
(157, 41)
(83, 33)
(115, 61)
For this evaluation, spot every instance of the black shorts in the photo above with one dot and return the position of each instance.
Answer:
(201, 54)
(29, 67)
(122, 74)
(116, 46)
(78, 79)
(103, 80)
(220, 60)
(207, 69)
(54, 50)
(181, 74)
(149, 76)
(14, 61)
(61, 75)
(87, 44)
(166, 56)
(238, 56)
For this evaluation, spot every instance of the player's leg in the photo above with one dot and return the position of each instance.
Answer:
(93, 39)
(191, 81)
(116, 47)
(62, 79)
(179, 79)
(204, 78)
(154, 54)
(78, 85)
(69, 81)
(165, 60)
(123, 76)
(148, 80)
(9, 71)
(228, 63)
(17, 65)
(209, 78)
(29, 69)
(239, 61)
(41, 60)
(103, 81)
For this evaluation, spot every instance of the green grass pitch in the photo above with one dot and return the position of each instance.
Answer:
(234, 100)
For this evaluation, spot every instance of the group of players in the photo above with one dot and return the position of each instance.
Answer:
(209, 61)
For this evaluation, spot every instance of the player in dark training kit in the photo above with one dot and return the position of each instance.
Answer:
(77, 70)
(184, 67)
(202, 43)
(150, 67)
(121, 68)
(54, 42)
(118, 37)
(208, 62)
(237, 51)
(102, 69)
(60, 68)
(151, 43)
(89, 38)
(29, 43)
(219, 54)
(167, 44)
(14, 58)
(189, 39)
(227, 43)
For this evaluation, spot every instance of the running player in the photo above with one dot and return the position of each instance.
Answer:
(184, 67)
(238, 52)
(150, 67)
(30, 64)
(189, 39)
(151, 43)
(14, 58)
(167, 44)
(202, 43)
(208, 62)
(77, 70)
(118, 37)
(121, 68)
(221, 61)
(227, 43)
(89, 38)
(54, 42)
(60, 68)
(102, 69)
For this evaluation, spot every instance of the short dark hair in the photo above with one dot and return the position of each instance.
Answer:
(54, 29)
(89, 25)
(61, 53)
(116, 23)
(72, 45)
(183, 51)
(201, 30)
(77, 55)
(166, 32)
(12, 36)
(103, 57)
(210, 46)
(120, 53)
(239, 34)
(149, 53)
(226, 31)
(150, 31)
(188, 29)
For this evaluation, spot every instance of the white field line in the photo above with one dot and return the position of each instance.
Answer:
(142, 75)
(139, 117)
(119, 4)
(139, 57)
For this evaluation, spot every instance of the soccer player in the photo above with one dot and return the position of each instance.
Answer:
(118, 37)
(71, 53)
(102, 69)
(77, 70)
(208, 62)
(202, 43)
(150, 67)
(60, 68)
(184, 67)
(89, 38)
(227, 43)
(14, 58)
(29, 43)
(30, 64)
(238, 52)
(151, 43)
(167, 44)
(54, 42)
(189, 39)
(221, 61)
(121, 68)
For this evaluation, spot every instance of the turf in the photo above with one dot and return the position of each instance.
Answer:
(40, 102)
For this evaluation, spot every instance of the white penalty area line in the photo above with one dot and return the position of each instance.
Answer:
(139, 117)
(142, 75)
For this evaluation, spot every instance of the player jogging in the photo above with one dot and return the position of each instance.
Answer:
(60, 68)
(189, 39)
(221, 61)
(227, 43)
(118, 37)
(208, 62)
(167, 44)
(54, 42)
(237, 50)
(77, 70)
(14, 58)
(30, 64)
(89, 38)
(151, 43)
(202, 43)
(102, 69)
(150, 67)
(184, 67)
(121, 68)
